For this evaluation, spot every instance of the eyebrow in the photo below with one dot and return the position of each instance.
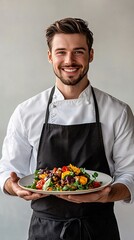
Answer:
(79, 48)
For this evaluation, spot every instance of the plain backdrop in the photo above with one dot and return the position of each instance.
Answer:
(25, 71)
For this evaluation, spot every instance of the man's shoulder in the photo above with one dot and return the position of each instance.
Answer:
(106, 98)
(34, 105)
(38, 99)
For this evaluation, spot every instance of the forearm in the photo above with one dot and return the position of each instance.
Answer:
(118, 192)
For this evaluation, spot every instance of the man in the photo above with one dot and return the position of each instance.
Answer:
(83, 126)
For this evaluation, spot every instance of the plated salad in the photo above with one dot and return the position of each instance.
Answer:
(66, 178)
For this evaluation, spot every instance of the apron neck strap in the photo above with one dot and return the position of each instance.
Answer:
(96, 106)
(49, 101)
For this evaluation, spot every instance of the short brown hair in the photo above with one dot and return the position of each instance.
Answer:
(69, 26)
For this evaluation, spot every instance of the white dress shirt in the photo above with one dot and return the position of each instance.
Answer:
(19, 152)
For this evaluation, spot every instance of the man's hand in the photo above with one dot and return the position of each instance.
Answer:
(11, 186)
(99, 196)
(112, 193)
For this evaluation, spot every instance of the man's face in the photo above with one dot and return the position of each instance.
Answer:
(70, 57)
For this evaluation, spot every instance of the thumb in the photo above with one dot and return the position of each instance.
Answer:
(14, 177)
(107, 190)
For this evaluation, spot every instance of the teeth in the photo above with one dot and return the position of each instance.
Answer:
(70, 70)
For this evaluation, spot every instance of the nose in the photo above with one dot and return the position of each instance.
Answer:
(69, 58)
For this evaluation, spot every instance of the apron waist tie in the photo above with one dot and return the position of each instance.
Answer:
(82, 223)
(68, 223)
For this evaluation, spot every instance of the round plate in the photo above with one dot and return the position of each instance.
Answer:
(102, 177)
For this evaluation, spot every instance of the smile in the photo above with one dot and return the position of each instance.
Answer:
(70, 70)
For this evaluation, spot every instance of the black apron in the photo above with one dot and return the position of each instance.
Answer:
(54, 218)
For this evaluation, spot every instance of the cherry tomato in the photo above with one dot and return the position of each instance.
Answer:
(96, 184)
(64, 169)
(40, 184)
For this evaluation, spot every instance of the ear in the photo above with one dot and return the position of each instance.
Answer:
(91, 55)
(49, 56)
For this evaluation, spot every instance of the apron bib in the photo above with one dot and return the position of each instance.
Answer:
(54, 218)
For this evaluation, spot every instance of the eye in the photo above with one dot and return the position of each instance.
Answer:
(60, 53)
(78, 52)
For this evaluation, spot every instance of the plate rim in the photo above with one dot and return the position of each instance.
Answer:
(109, 181)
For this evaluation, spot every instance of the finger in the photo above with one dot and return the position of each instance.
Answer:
(80, 198)
(14, 177)
(98, 196)
(34, 196)
(20, 192)
(107, 190)
(68, 198)
(28, 195)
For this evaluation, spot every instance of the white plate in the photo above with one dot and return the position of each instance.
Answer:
(102, 177)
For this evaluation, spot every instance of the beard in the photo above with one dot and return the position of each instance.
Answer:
(71, 80)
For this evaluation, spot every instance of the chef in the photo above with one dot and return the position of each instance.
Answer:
(72, 122)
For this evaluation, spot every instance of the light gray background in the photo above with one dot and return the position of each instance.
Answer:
(25, 71)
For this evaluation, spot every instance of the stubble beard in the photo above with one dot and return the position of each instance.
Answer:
(71, 81)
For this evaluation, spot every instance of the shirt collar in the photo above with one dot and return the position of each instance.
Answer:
(85, 94)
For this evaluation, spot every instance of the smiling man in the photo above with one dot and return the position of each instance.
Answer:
(83, 126)
(70, 57)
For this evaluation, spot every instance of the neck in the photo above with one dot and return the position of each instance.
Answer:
(71, 91)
